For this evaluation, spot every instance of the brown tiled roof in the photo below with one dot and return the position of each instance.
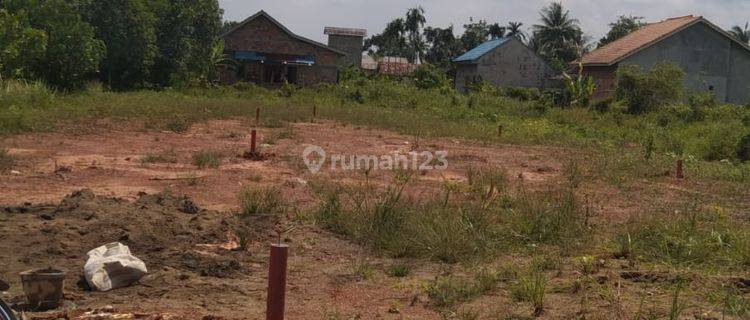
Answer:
(637, 40)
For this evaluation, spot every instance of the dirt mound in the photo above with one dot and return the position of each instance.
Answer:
(163, 229)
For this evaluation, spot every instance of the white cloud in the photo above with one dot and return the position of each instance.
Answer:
(308, 17)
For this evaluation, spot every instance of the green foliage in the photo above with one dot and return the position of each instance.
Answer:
(450, 290)
(21, 45)
(580, 88)
(72, 53)
(428, 76)
(643, 92)
(261, 200)
(531, 287)
(127, 28)
(185, 35)
(622, 27)
(399, 270)
(558, 37)
(691, 237)
(207, 159)
(743, 149)
(462, 224)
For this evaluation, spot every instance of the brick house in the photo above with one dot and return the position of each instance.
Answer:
(712, 59)
(269, 54)
(503, 62)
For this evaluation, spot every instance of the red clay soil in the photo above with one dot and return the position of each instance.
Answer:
(71, 191)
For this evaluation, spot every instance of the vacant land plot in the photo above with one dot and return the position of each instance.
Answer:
(506, 231)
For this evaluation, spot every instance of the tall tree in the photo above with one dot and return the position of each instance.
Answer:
(186, 37)
(443, 46)
(415, 19)
(743, 35)
(127, 28)
(558, 35)
(391, 42)
(622, 27)
(496, 31)
(72, 53)
(20, 45)
(514, 30)
(475, 33)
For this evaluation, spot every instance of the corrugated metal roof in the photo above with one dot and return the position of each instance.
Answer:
(481, 50)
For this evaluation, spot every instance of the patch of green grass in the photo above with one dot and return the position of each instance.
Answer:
(164, 157)
(398, 270)
(451, 290)
(261, 200)
(475, 222)
(207, 159)
(531, 287)
(6, 160)
(690, 237)
(364, 270)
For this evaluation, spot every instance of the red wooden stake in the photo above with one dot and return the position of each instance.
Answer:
(315, 111)
(257, 115)
(500, 131)
(680, 170)
(253, 135)
(277, 282)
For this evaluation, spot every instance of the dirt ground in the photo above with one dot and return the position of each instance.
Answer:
(74, 190)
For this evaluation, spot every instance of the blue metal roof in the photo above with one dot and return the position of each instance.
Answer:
(481, 50)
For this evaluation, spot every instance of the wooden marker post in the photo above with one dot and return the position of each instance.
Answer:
(277, 282)
(680, 170)
(253, 136)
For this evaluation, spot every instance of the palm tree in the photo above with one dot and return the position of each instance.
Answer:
(415, 19)
(558, 33)
(514, 30)
(743, 35)
(496, 31)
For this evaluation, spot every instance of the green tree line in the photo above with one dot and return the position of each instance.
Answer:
(557, 36)
(127, 44)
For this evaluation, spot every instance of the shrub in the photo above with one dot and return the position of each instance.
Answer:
(427, 76)
(531, 288)
(448, 291)
(743, 149)
(603, 105)
(255, 200)
(691, 237)
(399, 270)
(520, 93)
(647, 91)
(166, 157)
(207, 159)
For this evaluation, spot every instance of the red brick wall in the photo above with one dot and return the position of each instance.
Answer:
(262, 35)
(605, 81)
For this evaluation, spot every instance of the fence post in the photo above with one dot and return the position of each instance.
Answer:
(253, 136)
(277, 282)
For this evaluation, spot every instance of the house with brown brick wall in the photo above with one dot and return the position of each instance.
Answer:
(269, 54)
(712, 59)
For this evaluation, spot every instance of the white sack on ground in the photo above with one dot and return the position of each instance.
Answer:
(112, 266)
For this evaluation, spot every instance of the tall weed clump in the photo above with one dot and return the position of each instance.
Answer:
(468, 221)
(691, 237)
(643, 92)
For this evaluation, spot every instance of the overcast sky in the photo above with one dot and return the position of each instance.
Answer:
(308, 17)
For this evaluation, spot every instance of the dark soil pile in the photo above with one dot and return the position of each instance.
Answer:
(161, 229)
